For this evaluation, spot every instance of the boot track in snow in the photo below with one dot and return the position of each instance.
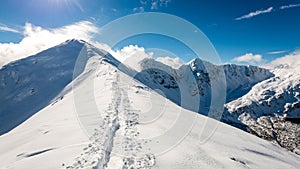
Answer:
(119, 117)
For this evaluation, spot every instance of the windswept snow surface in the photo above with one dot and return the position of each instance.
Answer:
(110, 120)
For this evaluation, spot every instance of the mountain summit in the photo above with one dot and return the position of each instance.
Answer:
(78, 107)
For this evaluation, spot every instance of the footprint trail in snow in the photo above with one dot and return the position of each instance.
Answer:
(115, 143)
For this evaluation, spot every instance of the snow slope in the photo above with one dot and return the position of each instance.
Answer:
(33, 82)
(110, 120)
(271, 109)
(28, 85)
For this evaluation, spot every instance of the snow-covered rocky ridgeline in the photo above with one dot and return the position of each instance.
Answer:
(39, 114)
(271, 109)
(26, 82)
(237, 80)
(264, 102)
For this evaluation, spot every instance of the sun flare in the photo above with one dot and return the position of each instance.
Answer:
(67, 3)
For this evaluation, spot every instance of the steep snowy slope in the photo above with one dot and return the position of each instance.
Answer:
(31, 83)
(28, 85)
(240, 79)
(133, 126)
(271, 109)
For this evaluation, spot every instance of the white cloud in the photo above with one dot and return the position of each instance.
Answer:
(292, 60)
(8, 29)
(277, 52)
(131, 55)
(131, 51)
(290, 6)
(252, 14)
(37, 39)
(249, 58)
(173, 62)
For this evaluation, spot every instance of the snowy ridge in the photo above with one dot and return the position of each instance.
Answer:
(238, 80)
(97, 154)
(23, 86)
(25, 83)
(118, 116)
(271, 108)
(72, 134)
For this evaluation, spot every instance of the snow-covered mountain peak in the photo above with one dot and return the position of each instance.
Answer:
(26, 80)
(239, 79)
(199, 64)
(51, 132)
(70, 41)
(272, 103)
(49, 92)
(31, 83)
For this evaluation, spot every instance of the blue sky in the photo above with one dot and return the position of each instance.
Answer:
(242, 31)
